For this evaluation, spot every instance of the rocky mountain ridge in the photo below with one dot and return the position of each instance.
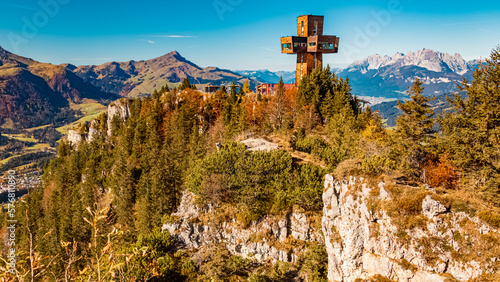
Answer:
(135, 78)
(425, 58)
(390, 77)
(268, 76)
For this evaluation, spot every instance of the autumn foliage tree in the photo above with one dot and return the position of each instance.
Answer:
(442, 173)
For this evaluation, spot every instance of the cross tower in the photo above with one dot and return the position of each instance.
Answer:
(309, 45)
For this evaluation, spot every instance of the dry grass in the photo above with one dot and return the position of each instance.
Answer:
(375, 278)
(476, 246)
(347, 168)
(490, 217)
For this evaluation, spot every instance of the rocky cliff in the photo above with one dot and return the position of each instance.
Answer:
(119, 108)
(363, 241)
(75, 138)
(267, 239)
(363, 237)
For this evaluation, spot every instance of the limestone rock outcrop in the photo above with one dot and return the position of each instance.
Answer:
(362, 242)
(93, 130)
(260, 144)
(362, 236)
(120, 108)
(75, 138)
(262, 240)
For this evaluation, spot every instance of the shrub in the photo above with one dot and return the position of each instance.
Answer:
(376, 164)
(258, 183)
(406, 211)
(314, 264)
(442, 173)
(316, 146)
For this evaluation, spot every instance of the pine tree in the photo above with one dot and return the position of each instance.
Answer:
(156, 95)
(124, 188)
(343, 134)
(414, 131)
(63, 149)
(471, 130)
(233, 95)
(185, 84)
(327, 93)
(164, 89)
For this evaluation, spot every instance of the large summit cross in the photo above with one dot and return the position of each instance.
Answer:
(309, 45)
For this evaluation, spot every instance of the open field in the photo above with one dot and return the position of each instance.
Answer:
(21, 137)
(38, 127)
(89, 108)
(7, 159)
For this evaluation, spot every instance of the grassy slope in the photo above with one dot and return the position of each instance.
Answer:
(89, 108)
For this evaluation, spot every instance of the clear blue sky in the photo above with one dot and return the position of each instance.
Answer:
(240, 34)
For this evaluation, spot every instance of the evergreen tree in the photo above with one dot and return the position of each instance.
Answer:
(414, 131)
(343, 134)
(156, 95)
(63, 148)
(164, 89)
(185, 84)
(471, 129)
(326, 93)
(233, 95)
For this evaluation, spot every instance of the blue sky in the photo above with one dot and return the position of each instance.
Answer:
(240, 34)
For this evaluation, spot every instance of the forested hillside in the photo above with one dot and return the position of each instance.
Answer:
(98, 214)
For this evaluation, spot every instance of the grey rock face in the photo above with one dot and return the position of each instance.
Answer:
(120, 108)
(432, 208)
(93, 130)
(361, 242)
(260, 145)
(75, 138)
(258, 241)
(356, 251)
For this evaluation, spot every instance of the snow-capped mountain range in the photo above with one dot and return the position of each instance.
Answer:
(425, 58)
(387, 77)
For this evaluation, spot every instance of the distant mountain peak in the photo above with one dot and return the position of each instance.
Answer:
(136, 78)
(425, 58)
(173, 54)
